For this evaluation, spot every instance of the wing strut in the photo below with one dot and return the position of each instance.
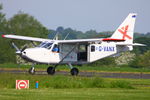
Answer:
(65, 56)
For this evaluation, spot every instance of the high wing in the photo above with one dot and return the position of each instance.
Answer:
(119, 41)
(25, 38)
(49, 40)
(64, 41)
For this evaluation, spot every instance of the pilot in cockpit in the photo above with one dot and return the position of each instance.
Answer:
(55, 49)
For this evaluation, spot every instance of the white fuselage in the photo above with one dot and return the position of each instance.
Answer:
(86, 53)
(41, 55)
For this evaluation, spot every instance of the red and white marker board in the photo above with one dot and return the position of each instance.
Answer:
(22, 84)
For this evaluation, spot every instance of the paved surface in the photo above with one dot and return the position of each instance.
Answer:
(89, 74)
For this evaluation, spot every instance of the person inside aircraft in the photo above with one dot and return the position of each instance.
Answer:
(55, 48)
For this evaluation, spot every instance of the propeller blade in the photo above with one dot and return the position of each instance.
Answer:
(23, 48)
(18, 52)
(13, 44)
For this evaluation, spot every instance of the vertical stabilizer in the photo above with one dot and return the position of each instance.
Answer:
(126, 30)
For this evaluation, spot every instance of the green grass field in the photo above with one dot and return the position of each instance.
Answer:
(73, 88)
(75, 94)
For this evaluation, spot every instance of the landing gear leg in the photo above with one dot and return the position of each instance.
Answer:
(51, 70)
(32, 70)
(74, 71)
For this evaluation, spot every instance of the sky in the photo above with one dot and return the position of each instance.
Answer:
(82, 15)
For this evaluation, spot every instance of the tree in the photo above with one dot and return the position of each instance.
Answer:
(60, 29)
(139, 49)
(24, 24)
(108, 61)
(3, 21)
(72, 33)
(5, 50)
(125, 58)
(19, 24)
(141, 61)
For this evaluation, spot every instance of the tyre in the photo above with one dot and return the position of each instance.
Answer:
(74, 71)
(51, 70)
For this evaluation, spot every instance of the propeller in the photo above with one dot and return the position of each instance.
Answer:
(23, 48)
(18, 51)
(13, 44)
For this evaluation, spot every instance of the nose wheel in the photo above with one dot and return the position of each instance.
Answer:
(32, 70)
(51, 70)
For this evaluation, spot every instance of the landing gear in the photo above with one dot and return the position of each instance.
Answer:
(32, 70)
(74, 71)
(51, 70)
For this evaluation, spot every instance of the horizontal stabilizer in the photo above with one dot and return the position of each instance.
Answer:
(134, 44)
(138, 44)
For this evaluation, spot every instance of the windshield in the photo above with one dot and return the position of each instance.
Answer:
(45, 45)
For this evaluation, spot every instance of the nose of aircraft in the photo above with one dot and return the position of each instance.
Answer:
(18, 52)
(27, 53)
(21, 53)
(24, 52)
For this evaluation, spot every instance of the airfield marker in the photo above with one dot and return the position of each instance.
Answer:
(37, 85)
(22, 84)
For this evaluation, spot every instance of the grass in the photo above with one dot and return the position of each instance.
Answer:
(74, 88)
(81, 68)
(75, 94)
(7, 80)
(58, 82)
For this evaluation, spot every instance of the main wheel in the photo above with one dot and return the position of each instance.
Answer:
(32, 70)
(51, 70)
(74, 71)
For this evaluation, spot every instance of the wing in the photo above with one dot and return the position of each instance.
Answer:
(91, 40)
(25, 38)
(79, 40)
(43, 40)
(62, 41)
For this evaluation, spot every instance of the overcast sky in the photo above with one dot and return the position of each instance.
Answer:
(82, 15)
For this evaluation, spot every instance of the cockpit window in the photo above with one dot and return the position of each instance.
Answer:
(45, 45)
(92, 48)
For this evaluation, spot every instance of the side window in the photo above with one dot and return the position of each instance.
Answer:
(92, 48)
(55, 48)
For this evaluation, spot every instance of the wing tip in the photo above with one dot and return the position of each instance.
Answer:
(3, 36)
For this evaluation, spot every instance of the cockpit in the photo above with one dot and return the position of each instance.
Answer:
(47, 45)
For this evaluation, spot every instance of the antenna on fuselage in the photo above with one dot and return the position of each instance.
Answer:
(66, 36)
(56, 36)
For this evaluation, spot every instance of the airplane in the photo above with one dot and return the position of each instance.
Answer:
(78, 51)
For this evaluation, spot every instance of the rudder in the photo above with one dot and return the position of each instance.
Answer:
(126, 30)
